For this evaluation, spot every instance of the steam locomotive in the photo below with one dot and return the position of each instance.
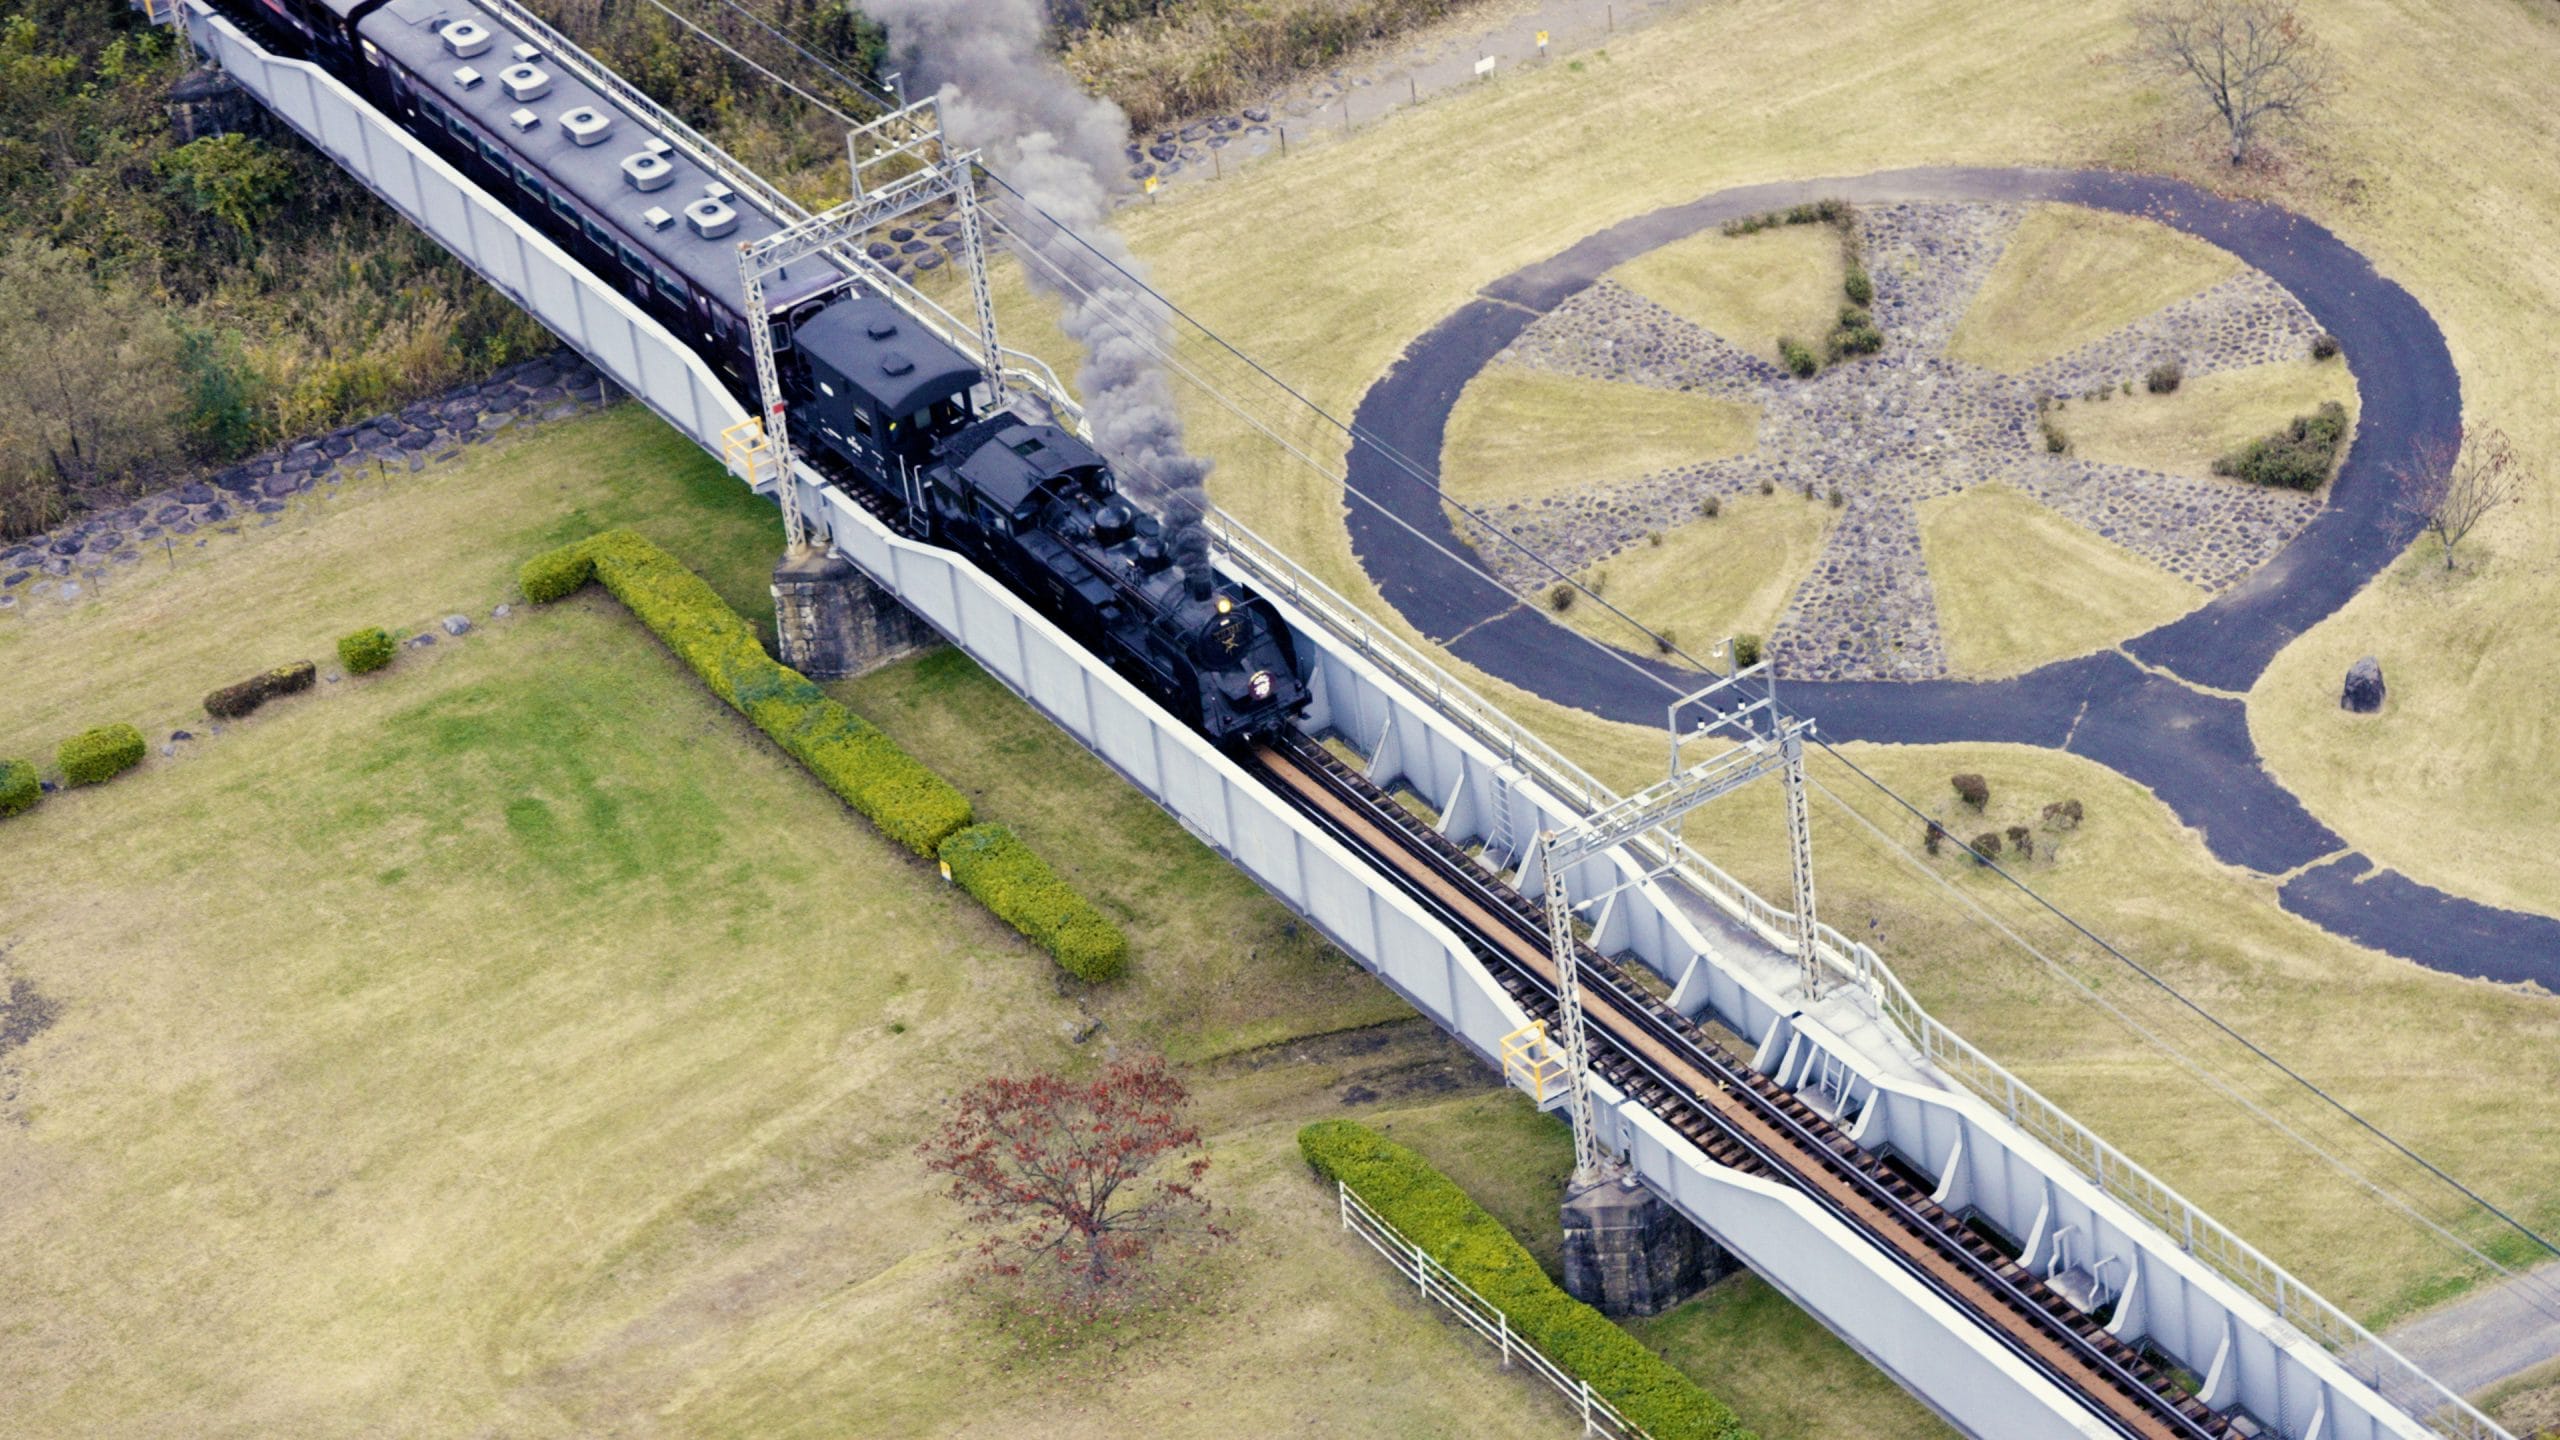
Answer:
(891, 405)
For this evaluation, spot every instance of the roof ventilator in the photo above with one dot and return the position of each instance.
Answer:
(523, 119)
(527, 52)
(586, 124)
(466, 77)
(710, 218)
(656, 217)
(896, 363)
(647, 171)
(525, 82)
(718, 191)
(881, 328)
(466, 38)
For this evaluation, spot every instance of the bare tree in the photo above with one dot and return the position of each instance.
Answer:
(1062, 1176)
(2452, 485)
(2253, 61)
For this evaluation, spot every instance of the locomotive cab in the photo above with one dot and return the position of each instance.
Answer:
(882, 392)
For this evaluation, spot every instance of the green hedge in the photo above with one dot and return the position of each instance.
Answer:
(1435, 1214)
(19, 788)
(910, 804)
(101, 754)
(367, 650)
(992, 863)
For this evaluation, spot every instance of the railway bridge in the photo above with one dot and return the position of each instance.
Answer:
(2019, 1274)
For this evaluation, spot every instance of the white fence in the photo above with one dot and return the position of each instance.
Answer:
(1433, 1280)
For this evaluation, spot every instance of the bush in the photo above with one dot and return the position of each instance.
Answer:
(1560, 599)
(1851, 340)
(991, 863)
(2297, 457)
(94, 756)
(1838, 499)
(19, 787)
(233, 701)
(1768, 486)
(865, 768)
(2164, 378)
(2063, 815)
(2055, 441)
(2324, 346)
(1859, 286)
(367, 650)
(1435, 1214)
(1973, 790)
(1800, 361)
(1852, 316)
(1933, 837)
(2022, 840)
(1711, 507)
(1986, 846)
(1746, 650)
(556, 574)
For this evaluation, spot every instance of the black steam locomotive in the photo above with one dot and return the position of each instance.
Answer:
(892, 405)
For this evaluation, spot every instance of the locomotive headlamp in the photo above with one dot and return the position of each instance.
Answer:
(1261, 684)
(1225, 604)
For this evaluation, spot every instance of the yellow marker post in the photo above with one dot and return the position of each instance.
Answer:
(1542, 44)
(1152, 181)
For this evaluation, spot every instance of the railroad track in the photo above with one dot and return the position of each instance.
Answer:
(1737, 1116)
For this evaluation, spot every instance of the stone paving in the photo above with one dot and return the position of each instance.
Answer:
(79, 554)
(1900, 428)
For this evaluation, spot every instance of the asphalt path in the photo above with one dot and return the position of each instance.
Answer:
(2165, 709)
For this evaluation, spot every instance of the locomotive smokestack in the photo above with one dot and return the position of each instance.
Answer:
(1002, 92)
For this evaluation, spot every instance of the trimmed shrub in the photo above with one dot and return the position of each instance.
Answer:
(1851, 340)
(367, 650)
(1853, 316)
(2297, 457)
(2164, 378)
(1711, 507)
(19, 787)
(1859, 286)
(1800, 361)
(233, 701)
(1768, 486)
(865, 768)
(2324, 346)
(1986, 846)
(992, 863)
(1560, 599)
(1746, 650)
(556, 574)
(1435, 1214)
(1973, 790)
(94, 756)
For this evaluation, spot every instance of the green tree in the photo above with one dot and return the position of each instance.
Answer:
(89, 383)
(232, 178)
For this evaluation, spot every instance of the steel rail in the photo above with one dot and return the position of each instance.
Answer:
(1626, 1005)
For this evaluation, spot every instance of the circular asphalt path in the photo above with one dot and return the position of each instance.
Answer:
(2166, 708)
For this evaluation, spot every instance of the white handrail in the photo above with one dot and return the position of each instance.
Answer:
(1437, 1282)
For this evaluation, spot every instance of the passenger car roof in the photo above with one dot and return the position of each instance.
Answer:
(873, 344)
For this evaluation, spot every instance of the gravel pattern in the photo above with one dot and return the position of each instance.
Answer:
(80, 554)
(2246, 320)
(1897, 429)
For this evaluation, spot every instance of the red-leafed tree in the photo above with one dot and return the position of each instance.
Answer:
(1079, 1184)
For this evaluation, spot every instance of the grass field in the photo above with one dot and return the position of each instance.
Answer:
(2019, 585)
(2072, 275)
(2182, 432)
(1749, 289)
(2427, 164)
(514, 1042)
(1710, 579)
(1523, 434)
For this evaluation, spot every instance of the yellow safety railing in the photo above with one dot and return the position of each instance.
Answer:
(1530, 1061)
(748, 452)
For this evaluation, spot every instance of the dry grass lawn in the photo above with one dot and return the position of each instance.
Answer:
(1521, 434)
(2456, 204)
(2019, 585)
(1709, 579)
(2071, 275)
(1750, 289)
(2182, 432)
